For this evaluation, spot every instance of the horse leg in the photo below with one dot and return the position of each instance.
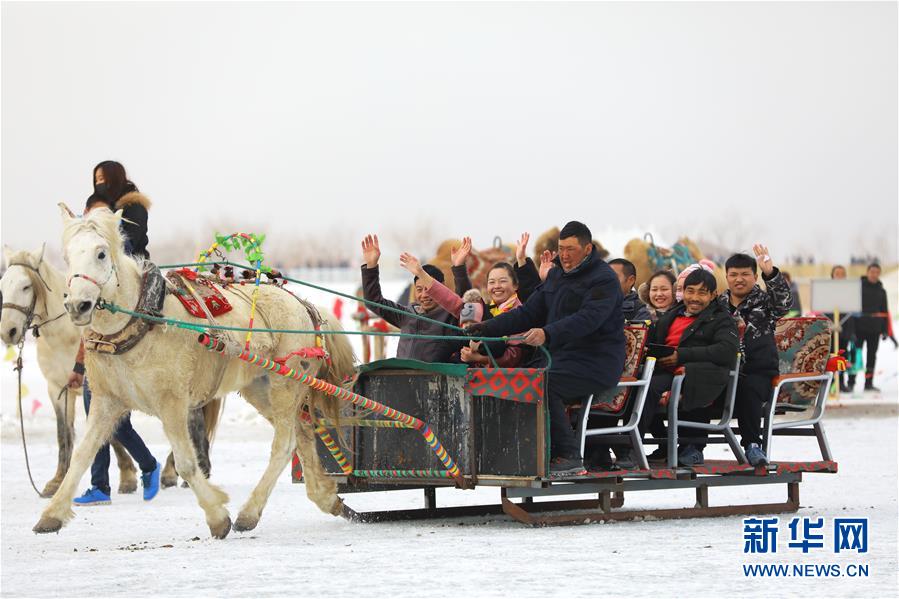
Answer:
(196, 426)
(284, 404)
(127, 471)
(282, 444)
(321, 489)
(101, 422)
(63, 439)
(169, 477)
(211, 498)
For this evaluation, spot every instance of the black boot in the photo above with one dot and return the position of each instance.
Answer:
(599, 459)
(626, 460)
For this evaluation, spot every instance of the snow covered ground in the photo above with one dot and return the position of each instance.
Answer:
(162, 548)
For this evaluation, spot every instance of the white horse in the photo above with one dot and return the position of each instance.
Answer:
(168, 372)
(32, 296)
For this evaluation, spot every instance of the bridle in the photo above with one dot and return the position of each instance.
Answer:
(29, 311)
(93, 280)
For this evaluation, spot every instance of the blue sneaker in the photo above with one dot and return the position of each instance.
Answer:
(93, 496)
(690, 456)
(150, 481)
(756, 456)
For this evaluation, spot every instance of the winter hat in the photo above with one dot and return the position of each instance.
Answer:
(682, 276)
(471, 312)
(472, 295)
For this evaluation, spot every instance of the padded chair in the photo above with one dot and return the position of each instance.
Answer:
(630, 392)
(722, 427)
(804, 348)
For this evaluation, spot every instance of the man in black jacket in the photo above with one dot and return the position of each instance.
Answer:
(756, 313)
(706, 342)
(872, 324)
(631, 306)
(576, 314)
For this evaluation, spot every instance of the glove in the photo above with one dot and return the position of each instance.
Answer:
(895, 343)
(475, 329)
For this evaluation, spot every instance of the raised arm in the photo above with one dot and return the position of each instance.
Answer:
(780, 296)
(441, 294)
(458, 256)
(528, 278)
(371, 285)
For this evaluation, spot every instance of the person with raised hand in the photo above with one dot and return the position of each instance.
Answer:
(502, 287)
(756, 312)
(524, 270)
(404, 317)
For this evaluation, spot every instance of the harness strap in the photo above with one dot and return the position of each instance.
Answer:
(36, 271)
(150, 300)
(85, 277)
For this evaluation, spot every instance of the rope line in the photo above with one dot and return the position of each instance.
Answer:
(505, 338)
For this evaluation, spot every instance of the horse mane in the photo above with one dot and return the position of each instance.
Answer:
(106, 224)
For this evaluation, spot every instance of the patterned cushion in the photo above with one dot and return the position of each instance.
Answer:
(635, 345)
(803, 345)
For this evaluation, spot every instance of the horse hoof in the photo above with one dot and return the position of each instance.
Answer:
(126, 487)
(221, 530)
(168, 481)
(245, 523)
(47, 524)
(337, 508)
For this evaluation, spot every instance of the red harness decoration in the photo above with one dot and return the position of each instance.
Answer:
(306, 352)
(212, 296)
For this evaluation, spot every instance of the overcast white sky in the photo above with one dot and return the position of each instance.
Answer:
(745, 121)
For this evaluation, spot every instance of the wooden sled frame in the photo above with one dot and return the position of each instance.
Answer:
(562, 506)
(535, 499)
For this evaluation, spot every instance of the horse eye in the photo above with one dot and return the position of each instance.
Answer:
(26, 287)
(101, 256)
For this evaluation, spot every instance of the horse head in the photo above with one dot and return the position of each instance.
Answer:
(20, 293)
(93, 248)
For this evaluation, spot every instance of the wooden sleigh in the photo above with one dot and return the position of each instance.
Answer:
(494, 424)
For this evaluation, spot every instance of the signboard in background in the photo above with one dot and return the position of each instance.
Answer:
(837, 295)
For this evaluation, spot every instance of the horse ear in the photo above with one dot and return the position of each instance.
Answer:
(7, 254)
(67, 214)
(118, 214)
(38, 254)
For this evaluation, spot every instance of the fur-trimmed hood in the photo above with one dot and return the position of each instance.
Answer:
(133, 198)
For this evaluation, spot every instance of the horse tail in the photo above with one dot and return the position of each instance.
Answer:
(340, 368)
(343, 360)
(212, 413)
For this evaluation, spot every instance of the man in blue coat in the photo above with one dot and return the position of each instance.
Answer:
(576, 313)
